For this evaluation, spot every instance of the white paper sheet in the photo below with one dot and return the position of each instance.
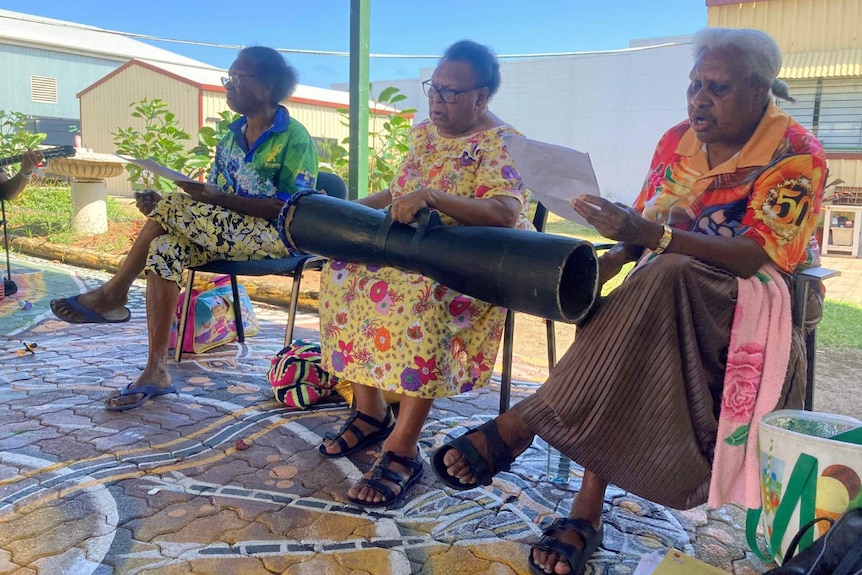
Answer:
(158, 169)
(554, 174)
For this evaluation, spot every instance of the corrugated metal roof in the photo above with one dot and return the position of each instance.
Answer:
(48, 33)
(825, 64)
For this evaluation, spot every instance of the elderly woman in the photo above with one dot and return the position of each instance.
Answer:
(732, 192)
(385, 329)
(266, 157)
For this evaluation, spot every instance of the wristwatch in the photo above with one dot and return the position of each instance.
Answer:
(664, 241)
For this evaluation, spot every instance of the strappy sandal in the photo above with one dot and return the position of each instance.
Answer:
(484, 471)
(384, 428)
(381, 472)
(576, 558)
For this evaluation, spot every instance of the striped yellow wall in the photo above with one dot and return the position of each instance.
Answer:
(320, 121)
(848, 170)
(797, 25)
(106, 108)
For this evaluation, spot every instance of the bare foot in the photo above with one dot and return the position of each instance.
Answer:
(158, 378)
(103, 301)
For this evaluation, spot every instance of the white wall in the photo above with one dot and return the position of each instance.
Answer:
(613, 105)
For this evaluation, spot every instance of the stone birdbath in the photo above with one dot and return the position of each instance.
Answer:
(88, 171)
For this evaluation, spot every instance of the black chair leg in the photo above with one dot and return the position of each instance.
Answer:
(810, 351)
(184, 316)
(552, 344)
(506, 376)
(237, 309)
(294, 303)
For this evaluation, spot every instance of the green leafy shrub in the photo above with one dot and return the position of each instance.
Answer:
(162, 140)
(386, 146)
(14, 137)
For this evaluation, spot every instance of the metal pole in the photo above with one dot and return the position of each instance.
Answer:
(360, 33)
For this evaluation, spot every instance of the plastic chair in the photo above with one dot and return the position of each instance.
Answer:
(292, 266)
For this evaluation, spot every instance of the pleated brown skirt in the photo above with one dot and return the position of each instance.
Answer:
(636, 398)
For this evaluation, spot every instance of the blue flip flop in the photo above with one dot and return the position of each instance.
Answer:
(146, 392)
(71, 310)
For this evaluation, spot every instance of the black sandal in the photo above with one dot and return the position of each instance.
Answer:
(382, 472)
(501, 459)
(576, 558)
(384, 428)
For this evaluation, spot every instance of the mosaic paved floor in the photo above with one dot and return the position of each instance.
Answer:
(164, 490)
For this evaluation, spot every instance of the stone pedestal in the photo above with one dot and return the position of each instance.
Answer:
(88, 171)
(89, 212)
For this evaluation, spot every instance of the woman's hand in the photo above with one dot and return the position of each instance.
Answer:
(405, 208)
(617, 221)
(199, 191)
(29, 160)
(147, 200)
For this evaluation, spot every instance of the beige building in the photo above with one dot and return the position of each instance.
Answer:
(196, 97)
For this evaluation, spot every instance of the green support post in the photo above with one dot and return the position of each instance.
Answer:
(360, 33)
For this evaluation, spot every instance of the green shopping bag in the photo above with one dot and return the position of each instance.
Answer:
(804, 476)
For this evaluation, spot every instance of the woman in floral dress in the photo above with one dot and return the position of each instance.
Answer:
(384, 329)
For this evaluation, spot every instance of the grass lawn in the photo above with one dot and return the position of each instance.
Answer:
(841, 325)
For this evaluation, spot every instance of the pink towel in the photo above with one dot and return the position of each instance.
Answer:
(756, 365)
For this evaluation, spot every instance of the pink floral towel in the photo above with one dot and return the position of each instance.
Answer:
(756, 365)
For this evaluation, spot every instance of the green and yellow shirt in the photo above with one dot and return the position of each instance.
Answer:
(282, 161)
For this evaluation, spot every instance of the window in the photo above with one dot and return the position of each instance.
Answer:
(831, 109)
(43, 90)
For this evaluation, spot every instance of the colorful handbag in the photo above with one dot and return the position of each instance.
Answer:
(811, 467)
(211, 322)
(296, 377)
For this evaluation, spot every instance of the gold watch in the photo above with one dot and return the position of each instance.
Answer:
(665, 239)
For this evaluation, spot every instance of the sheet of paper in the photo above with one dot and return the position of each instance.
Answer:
(158, 169)
(554, 174)
(678, 563)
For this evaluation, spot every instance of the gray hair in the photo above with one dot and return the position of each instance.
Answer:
(761, 54)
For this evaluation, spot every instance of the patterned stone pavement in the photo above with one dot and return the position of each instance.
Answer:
(164, 489)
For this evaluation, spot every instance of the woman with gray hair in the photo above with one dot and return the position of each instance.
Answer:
(642, 397)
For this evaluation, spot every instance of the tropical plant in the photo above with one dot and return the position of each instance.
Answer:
(162, 140)
(387, 145)
(203, 155)
(14, 136)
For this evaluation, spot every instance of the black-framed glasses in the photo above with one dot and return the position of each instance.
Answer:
(446, 94)
(235, 79)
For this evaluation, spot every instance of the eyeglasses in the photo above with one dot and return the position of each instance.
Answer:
(235, 79)
(445, 94)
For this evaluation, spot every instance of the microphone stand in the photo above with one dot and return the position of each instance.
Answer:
(9, 286)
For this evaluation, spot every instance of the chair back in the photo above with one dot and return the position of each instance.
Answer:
(332, 184)
(540, 217)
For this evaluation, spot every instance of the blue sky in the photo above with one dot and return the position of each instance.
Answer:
(397, 26)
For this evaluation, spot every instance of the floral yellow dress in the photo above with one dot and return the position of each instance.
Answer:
(403, 332)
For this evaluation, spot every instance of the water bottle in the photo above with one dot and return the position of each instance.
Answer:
(559, 466)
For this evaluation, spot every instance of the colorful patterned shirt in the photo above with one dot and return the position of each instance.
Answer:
(282, 161)
(770, 191)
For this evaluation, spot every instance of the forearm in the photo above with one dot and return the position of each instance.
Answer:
(11, 187)
(499, 211)
(267, 208)
(739, 255)
(378, 200)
